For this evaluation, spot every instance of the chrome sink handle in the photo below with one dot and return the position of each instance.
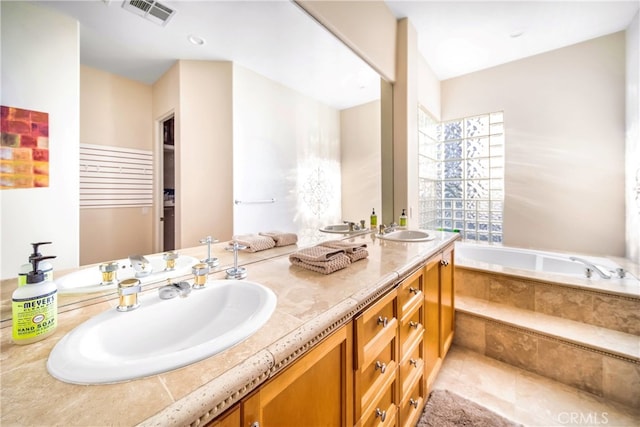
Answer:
(212, 262)
(236, 272)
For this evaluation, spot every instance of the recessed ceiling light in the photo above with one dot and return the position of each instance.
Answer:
(516, 34)
(198, 41)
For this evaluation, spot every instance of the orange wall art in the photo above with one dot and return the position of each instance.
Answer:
(24, 148)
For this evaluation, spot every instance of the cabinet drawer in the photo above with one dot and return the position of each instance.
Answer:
(374, 376)
(410, 293)
(411, 329)
(375, 329)
(411, 406)
(411, 368)
(383, 411)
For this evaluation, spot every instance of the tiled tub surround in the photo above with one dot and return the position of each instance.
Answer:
(580, 335)
(310, 306)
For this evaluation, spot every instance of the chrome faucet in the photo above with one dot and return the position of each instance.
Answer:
(141, 265)
(590, 268)
(172, 290)
(388, 228)
(352, 225)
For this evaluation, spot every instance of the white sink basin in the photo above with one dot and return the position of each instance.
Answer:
(406, 236)
(341, 229)
(89, 279)
(161, 335)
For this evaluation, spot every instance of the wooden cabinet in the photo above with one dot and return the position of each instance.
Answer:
(411, 341)
(439, 312)
(376, 361)
(374, 371)
(316, 390)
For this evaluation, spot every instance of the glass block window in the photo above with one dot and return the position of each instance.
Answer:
(461, 174)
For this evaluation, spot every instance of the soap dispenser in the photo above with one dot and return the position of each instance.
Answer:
(374, 220)
(45, 266)
(34, 306)
(403, 219)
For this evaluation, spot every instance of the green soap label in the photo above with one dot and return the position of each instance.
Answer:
(34, 316)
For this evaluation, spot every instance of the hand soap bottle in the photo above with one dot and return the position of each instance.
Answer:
(374, 220)
(403, 219)
(34, 306)
(44, 266)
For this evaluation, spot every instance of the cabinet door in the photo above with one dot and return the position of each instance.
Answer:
(315, 391)
(229, 419)
(432, 320)
(447, 311)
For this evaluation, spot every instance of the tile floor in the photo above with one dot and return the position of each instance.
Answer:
(527, 398)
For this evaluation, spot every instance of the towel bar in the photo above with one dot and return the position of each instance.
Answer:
(254, 202)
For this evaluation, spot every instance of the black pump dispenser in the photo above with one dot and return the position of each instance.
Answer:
(35, 253)
(35, 275)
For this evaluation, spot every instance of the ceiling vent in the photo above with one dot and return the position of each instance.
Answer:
(150, 9)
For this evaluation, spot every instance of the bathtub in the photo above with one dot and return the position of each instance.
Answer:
(534, 261)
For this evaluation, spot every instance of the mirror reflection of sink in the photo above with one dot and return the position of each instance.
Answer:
(161, 335)
(341, 229)
(406, 236)
(88, 280)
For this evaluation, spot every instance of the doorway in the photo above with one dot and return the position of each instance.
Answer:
(168, 180)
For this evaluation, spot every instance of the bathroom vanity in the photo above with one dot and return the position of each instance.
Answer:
(360, 346)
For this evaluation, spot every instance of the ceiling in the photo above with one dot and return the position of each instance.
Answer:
(276, 39)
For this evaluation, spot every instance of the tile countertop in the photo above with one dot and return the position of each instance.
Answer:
(310, 306)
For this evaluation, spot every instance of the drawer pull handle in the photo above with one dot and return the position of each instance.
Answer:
(383, 321)
(413, 324)
(381, 414)
(413, 362)
(413, 290)
(413, 403)
(381, 366)
(444, 262)
(255, 424)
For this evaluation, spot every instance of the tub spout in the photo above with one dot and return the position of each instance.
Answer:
(590, 267)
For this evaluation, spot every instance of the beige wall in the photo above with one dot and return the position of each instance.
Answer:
(204, 153)
(114, 111)
(360, 161)
(564, 120)
(40, 57)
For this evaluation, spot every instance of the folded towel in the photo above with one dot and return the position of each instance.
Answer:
(255, 243)
(281, 238)
(355, 251)
(317, 254)
(338, 262)
(320, 259)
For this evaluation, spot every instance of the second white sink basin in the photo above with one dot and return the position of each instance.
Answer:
(161, 335)
(407, 236)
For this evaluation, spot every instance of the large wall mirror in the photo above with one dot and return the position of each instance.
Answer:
(276, 41)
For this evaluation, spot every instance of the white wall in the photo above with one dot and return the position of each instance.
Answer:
(35, 39)
(285, 146)
(564, 118)
(360, 161)
(633, 141)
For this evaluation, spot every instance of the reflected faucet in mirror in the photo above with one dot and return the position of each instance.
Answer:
(141, 265)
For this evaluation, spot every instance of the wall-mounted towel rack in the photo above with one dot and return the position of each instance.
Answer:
(115, 177)
(254, 202)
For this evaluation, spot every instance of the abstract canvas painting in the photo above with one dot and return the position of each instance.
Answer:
(24, 148)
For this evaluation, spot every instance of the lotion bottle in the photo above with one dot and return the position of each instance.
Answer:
(403, 219)
(34, 306)
(45, 266)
